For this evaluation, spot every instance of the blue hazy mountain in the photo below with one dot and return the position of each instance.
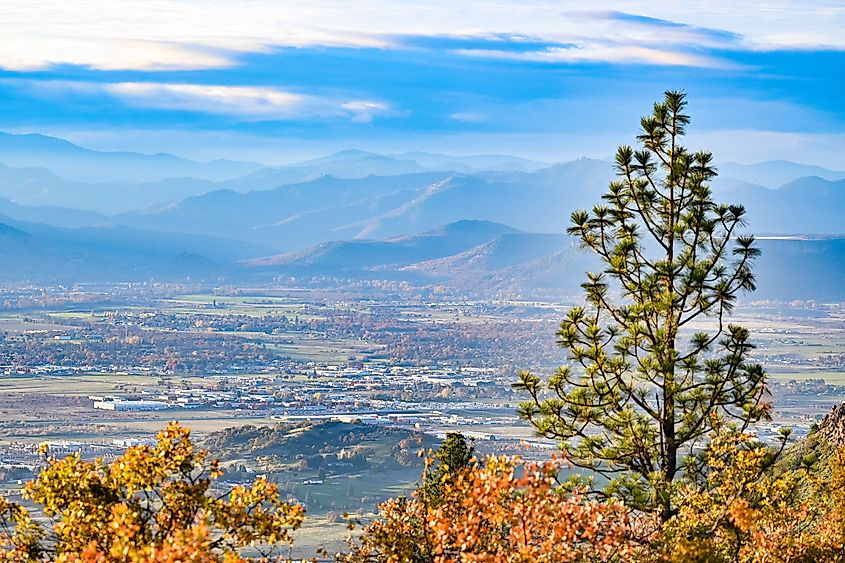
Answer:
(801, 268)
(378, 207)
(76, 163)
(806, 205)
(116, 214)
(55, 216)
(520, 263)
(358, 194)
(372, 255)
(35, 186)
(36, 260)
(346, 164)
(505, 251)
(352, 164)
(774, 173)
(472, 163)
(109, 193)
(289, 217)
(40, 252)
(328, 208)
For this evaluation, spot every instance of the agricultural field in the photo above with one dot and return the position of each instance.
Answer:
(296, 370)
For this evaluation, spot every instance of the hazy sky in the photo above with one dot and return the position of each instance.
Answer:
(278, 81)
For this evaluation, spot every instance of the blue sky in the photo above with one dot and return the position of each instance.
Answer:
(281, 81)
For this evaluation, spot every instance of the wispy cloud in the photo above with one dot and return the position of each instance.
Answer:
(324, 73)
(619, 37)
(173, 35)
(365, 112)
(659, 30)
(241, 101)
(467, 117)
(247, 103)
(23, 52)
(606, 53)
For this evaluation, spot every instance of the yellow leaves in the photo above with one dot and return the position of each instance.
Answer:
(155, 503)
(749, 514)
(150, 504)
(147, 467)
(19, 536)
(214, 470)
(256, 513)
(43, 449)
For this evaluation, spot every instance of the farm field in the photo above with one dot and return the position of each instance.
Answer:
(223, 364)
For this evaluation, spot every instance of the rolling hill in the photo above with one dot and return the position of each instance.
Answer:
(505, 251)
(775, 173)
(39, 252)
(295, 216)
(369, 255)
(806, 205)
(517, 262)
(289, 217)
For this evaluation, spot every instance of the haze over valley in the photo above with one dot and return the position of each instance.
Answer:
(422, 281)
(484, 223)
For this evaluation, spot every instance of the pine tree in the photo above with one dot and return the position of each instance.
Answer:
(642, 389)
(455, 454)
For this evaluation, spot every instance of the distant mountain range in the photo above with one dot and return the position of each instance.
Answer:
(328, 208)
(477, 257)
(42, 170)
(372, 255)
(805, 205)
(511, 262)
(79, 164)
(774, 173)
(376, 207)
(35, 252)
(70, 212)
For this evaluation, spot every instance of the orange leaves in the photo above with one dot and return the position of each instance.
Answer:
(497, 515)
(499, 512)
(192, 546)
(741, 514)
(21, 537)
(158, 503)
(504, 511)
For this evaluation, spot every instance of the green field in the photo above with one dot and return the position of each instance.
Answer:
(251, 306)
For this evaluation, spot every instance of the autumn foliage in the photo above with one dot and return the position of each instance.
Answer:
(153, 503)
(160, 503)
(741, 509)
(499, 511)
(747, 511)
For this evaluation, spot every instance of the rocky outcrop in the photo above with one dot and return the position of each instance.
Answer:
(832, 426)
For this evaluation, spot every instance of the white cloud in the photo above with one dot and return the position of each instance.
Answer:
(610, 53)
(25, 53)
(249, 103)
(242, 101)
(178, 34)
(365, 112)
(467, 117)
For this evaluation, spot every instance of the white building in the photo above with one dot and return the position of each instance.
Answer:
(131, 405)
